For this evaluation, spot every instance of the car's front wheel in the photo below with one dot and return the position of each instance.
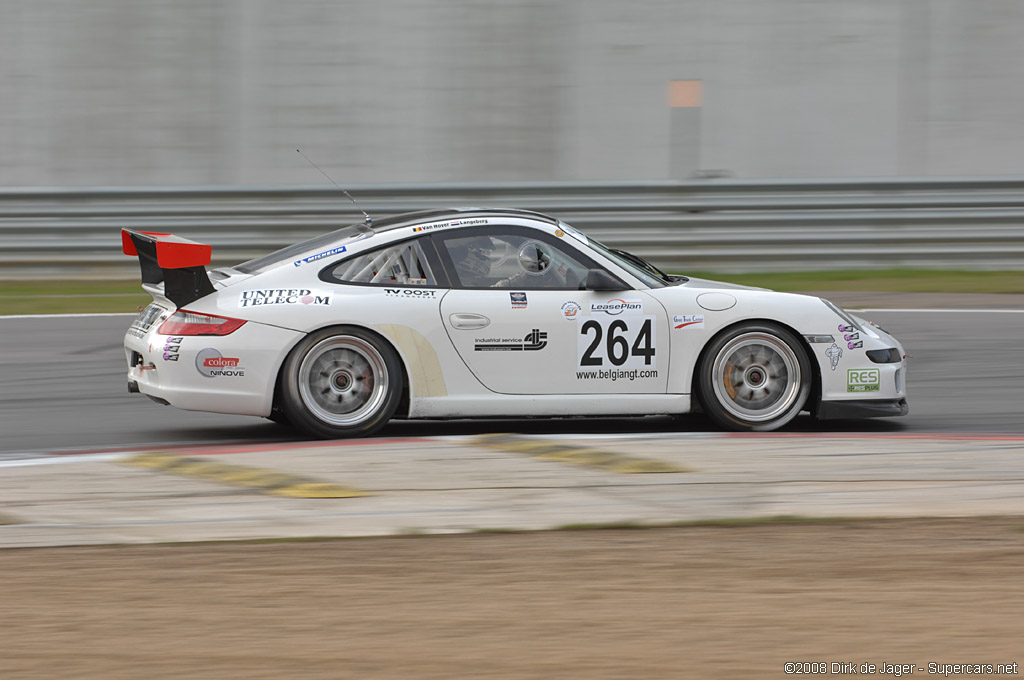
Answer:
(755, 376)
(341, 382)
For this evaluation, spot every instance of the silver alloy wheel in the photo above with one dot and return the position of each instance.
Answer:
(343, 380)
(756, 377)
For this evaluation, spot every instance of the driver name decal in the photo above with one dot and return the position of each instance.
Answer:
(445, 225)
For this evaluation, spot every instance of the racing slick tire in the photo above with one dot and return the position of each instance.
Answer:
(754, 377)
(341, 382)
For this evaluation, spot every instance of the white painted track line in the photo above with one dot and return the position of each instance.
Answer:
(875, 310)
(64, 316)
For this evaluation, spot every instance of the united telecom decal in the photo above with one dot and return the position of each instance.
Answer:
(534, 340)
(282, 296)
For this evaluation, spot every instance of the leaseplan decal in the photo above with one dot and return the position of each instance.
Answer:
(688, 321)
(320, 256)
(617, 306)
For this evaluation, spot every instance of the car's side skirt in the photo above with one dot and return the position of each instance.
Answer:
(503, 405)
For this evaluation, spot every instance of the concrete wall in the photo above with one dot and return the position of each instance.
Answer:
(128, 92)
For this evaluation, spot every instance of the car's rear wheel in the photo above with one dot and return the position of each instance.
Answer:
(341, 382)
(755, 376)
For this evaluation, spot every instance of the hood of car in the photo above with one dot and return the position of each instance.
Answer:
(708, 283)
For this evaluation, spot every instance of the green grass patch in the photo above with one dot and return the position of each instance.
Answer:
(64, 297)
(71, 297)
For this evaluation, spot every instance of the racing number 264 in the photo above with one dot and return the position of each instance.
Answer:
(617, 347)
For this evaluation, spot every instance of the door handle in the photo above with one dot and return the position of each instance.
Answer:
(465, 322)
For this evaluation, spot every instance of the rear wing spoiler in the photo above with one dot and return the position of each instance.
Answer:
(177, 262)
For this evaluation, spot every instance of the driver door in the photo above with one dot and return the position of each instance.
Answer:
(519, 320)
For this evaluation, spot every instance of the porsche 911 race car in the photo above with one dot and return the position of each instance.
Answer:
(488, 313)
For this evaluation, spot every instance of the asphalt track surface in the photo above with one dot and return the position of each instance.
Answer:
(62, 387)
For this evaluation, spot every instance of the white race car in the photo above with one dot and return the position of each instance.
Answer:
(488, 313)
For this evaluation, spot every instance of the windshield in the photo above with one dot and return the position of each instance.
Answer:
(649, 274)
(339, 236)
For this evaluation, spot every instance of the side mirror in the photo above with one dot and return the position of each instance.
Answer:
(599, 279)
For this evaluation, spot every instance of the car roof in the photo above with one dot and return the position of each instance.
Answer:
(360, 231)
(421, 216)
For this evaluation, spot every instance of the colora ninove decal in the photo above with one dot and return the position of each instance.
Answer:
(212, 364)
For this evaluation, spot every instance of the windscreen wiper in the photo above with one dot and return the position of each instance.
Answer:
(641, 262)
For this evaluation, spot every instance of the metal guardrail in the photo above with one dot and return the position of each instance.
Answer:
(720, 225)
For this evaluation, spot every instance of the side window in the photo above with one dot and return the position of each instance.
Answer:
(512, 259)
(400, 264)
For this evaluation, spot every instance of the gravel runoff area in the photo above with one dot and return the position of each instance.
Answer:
(737, 600)
(689, 602)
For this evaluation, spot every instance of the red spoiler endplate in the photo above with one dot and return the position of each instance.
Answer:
(177, 262)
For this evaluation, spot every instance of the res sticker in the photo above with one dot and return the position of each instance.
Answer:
(619, 343)
(862, 380)
(518, 299)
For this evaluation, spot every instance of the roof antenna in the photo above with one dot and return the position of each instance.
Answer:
(369, 222)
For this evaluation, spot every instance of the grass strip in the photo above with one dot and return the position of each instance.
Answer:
(83, 297)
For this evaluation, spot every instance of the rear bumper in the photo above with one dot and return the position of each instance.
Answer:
(862, 408)
(171, 370)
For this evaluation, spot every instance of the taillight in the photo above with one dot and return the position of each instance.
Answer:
(184, 322)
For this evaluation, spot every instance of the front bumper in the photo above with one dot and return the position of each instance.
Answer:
(862, 408)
